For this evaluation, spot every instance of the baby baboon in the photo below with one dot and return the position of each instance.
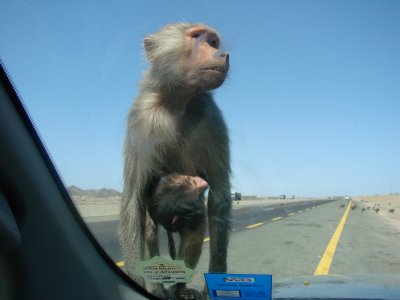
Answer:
(391, 210)
(175, 126)
(177, 203)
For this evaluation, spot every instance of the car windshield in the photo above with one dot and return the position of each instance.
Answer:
(280, 117)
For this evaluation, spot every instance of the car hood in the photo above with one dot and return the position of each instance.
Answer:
(339, 287)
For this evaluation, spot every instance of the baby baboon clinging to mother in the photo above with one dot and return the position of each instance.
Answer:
(175, 126)
(177, 203)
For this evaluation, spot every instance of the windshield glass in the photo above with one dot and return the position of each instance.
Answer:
(258, 139)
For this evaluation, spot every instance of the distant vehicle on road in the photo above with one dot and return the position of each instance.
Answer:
(236, 196)
(283, 197)
(347, 198)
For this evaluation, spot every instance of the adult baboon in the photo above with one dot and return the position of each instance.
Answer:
(175, 126)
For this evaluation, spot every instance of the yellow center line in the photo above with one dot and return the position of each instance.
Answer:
(278, 218)
(291, 214)
(120, 263)
(207, 239)
(326, 260)
(254, 225)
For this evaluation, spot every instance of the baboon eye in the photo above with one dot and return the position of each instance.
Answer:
(213, 42)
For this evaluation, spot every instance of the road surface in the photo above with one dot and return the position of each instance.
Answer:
(105, 229)
(294, 239)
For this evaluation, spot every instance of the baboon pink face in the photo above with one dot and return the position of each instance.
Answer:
(199, 183)
(206, 63)
(187, 57)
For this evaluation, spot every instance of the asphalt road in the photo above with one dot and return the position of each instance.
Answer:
(294, 245)
(105, 229)
(290, 240)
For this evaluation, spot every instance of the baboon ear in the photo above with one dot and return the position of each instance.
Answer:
(149, 47)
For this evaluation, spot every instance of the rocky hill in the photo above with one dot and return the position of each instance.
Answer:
(78, 193)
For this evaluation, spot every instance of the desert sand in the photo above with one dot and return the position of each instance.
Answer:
(388, 206)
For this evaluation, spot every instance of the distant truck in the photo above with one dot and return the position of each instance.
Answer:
(236, 196)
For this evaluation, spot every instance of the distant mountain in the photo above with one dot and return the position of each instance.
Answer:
(97, 193)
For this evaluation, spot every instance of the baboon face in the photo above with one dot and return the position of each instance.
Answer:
(205, 63)
(187, 57)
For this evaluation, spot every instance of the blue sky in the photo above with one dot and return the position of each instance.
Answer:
(312, 100)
